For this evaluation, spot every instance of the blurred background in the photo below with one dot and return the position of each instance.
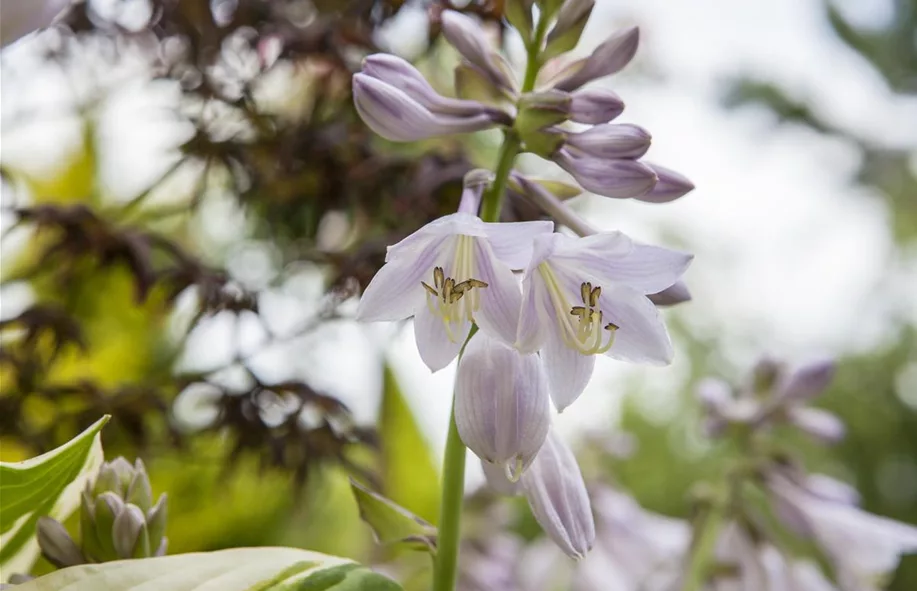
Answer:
(190, 208)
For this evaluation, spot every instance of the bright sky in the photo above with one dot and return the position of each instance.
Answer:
(790, 260)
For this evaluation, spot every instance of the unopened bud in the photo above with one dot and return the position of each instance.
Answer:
(474, 184)
(670, 186)
(502, 408)
(140, 493)
(808, 381)
(156, 525)
(540, 110)
(607, 59)
(569, 28)
(595, 106)
(464, 33)
(126, 530)
(619, 179)
(818, 423)
(611, 141)
(397, 117)
(519, 15)
(56, 544)
(557, 495)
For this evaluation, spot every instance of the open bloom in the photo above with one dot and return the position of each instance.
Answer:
(588, 296)
(454, 271)
(863, 547)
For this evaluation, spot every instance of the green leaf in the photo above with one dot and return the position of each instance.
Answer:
(238, 569)
(391, 523)
(49, 484)
(409, 476)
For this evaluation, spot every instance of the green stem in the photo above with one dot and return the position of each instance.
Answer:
(445, 566)
(702, 551)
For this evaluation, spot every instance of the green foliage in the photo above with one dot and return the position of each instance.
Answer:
(239, 569)
(409, 475)
(393, 525)
(49, 484)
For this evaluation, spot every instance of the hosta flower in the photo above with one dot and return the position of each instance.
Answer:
(610, 141)
(864, 547)
(620, 178)
(595, 105)
(465, 34)
(588, 296)
(557, 495)
(450, 273)
(502, 409)
(608, 58)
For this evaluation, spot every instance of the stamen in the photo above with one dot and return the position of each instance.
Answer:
(455, 302)
(585, 334)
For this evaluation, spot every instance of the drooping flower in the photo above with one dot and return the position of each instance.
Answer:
(863, 547)
(454, 271)
(588, 296)
(502, 408)
(557, 495)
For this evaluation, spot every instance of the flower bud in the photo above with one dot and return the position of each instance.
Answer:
(677, 293)
(56, 544)
(619, 179)
(607, 59)
(400, 74)
(538, 110)
(569, 27)
(595, 105)
(519, 15)
(396, 116)
(502, 408)
(818, 423)
(550, 204)
(126, 530)
(114, 476)
(808, 381)
(557, 496)
(670, 186)
(611, 141)
(464, 33)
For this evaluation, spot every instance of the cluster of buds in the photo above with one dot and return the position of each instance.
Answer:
(580, 297)
(773, 396)
(117, 520)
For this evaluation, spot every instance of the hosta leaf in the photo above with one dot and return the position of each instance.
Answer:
(391, 523)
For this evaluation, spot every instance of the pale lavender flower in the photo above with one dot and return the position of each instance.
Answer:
(465, 34)
(863, 547)
(497, 480)
(670, 185)
(677, 293)
(607, 59)
(392, 113)
(448, 274)
(557, 495)
(634, 549)
(588, 296)
(399, 73)
(620, 179)
(502, 408)
(610, 141)
(595, 106)
(784, 574)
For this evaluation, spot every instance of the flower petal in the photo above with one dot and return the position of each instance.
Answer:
(568, 371)
(615, 259)
(496, 478)
(444, 227)
(433, 343)
(641, 336)
(395, 291)
(501, 299)
(534, 320)
(512, 242)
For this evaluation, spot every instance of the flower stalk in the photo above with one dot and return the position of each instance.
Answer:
(445, 568)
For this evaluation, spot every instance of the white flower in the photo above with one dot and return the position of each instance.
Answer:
(588, 296)
(454, 271)
(864, 548)
(502, 409)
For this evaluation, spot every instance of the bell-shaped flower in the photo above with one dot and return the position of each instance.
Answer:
(607, 59)
(618, 178)
(588, 296)
(635, 548)
(863, 547)
(399, 73)
(502, 408)
(466, 35)
(557, 495)
(455, 271)
(610, 141)
(397, 116)
(595, 106)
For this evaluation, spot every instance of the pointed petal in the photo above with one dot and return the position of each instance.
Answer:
(445, 227)
(641, 336)
(433, 343)
(568, 371)
(616, 259)
(395, 291)
(534, 320)
(512, 243)
(501, 299)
